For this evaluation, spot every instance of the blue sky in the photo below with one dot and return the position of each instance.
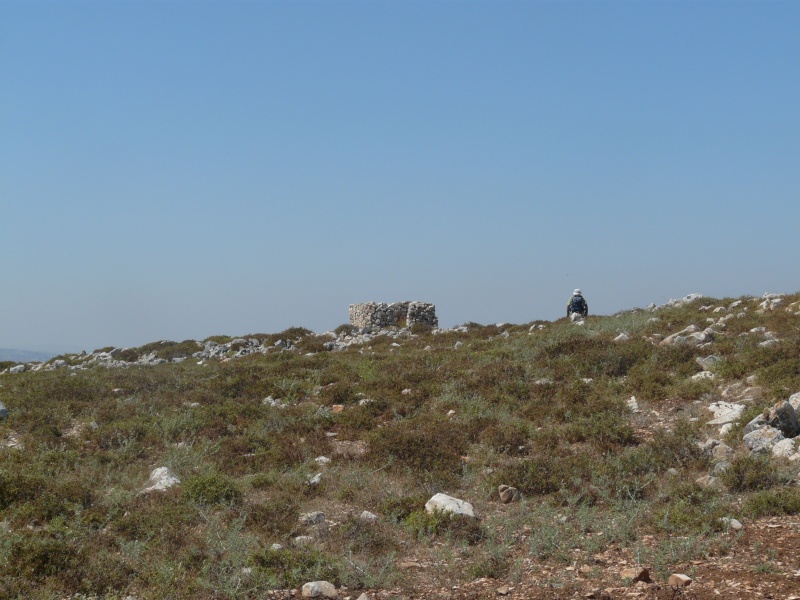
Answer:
(175, 170)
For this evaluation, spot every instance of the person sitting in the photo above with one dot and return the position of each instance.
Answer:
(577, 307)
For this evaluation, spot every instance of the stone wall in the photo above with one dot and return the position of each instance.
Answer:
(395, 314)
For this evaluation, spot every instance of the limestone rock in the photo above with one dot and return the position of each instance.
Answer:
(720, 468)
(160, 479)
(444, 503)
(707, 481)
(785, 448)
(303, 540)
(703, 375)
(721, 452)
(622, 337)
(319, 589)
(368, 516)
(762, 440)
(312, 518)
(725, 412)
(794, 400)
(757, 423)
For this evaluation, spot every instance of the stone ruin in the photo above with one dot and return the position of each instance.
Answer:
(396, 314)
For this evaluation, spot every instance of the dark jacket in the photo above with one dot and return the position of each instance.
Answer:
(574, 305)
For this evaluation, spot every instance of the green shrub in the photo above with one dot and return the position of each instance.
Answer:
(290, 568)
(688, 508)
(279, 512)
(773, 502)
(212, 488)
(346, 329)
(360, 536)
(430, 444)
(437, 524)
(397, 510)
(504, 437)
(40, 555)
(750, 473)
(547, 473)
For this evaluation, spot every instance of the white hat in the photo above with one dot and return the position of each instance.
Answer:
(576, 293)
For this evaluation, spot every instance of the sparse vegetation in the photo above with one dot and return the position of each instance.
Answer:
(542, 410)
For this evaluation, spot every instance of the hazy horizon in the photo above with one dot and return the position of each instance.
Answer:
(183, 169)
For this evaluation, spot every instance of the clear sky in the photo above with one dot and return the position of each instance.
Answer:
(180, 169)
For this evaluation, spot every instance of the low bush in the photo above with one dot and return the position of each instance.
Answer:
(750, 472)
(211, 488)
(773, 503)
(422, 445)
(444, 524)
(291, 568)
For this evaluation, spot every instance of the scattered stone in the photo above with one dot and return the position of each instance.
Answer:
(632, 404)
(762, 440)
(319, 589)
(703, 375)
(368, 516)
(720, 468)
(315, 480)
(757, 423)
(276, 547)
(622, 337)
(679, 580)
(444, 503)
(312, 518)
(504, 590)
(458, 345)
(707, 481)
(303, 540)
(508, 494)
(725, 412)
(322, 460)
(672, 472)
(721, 452)
(785, 448)
(160, 479)
(690, 336)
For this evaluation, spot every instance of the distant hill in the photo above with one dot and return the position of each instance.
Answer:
(24, 355)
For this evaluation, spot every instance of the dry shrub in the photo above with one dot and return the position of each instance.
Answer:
(421, 444)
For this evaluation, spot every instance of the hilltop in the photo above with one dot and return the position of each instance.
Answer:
(597, 460)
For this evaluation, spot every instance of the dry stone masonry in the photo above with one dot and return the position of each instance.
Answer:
(395, 314)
